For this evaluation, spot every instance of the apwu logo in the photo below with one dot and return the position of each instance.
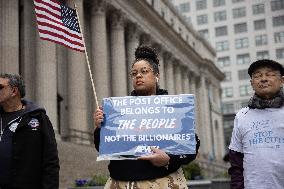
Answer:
(34, 124)
(145, 149)
(13, 126)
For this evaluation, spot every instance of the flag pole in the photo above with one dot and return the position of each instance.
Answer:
(87, 58)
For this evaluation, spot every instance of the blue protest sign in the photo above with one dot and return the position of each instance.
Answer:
(133, 124)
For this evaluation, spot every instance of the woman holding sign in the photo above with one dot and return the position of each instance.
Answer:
(158, 170)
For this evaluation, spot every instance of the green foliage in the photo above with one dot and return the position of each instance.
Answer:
(192, 171)
(224, 174)
(100, 180)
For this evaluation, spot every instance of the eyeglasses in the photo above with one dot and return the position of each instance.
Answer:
(258, 76)
(143, 71)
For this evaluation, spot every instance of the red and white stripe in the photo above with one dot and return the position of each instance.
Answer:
(51, 27)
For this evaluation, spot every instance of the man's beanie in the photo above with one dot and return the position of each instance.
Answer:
(265, 63)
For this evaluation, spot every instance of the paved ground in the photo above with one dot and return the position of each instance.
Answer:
(78, 161)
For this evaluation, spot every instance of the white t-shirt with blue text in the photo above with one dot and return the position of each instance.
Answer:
(259, 135)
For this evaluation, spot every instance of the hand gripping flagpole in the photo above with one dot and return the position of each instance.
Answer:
(87, 59)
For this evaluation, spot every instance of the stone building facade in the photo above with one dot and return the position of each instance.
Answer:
(57, 78)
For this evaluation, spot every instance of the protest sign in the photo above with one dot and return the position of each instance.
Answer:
(134, 124)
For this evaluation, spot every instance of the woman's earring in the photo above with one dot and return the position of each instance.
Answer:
(157, 79)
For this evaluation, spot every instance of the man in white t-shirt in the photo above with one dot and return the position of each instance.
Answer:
(256, 152)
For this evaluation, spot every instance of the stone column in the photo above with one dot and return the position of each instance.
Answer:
(132, 43)
(205, 109)
(199, 113)
(62, 91)
(9, 36)
(218, 96)
(212, 134)
(160, 52)
(28, 53)
(192, 83)
(169, 70)
(45, 78)
(77, 89)
(178, 78)
(185, 79)
(100, 65)
(193, 80)
(145, 39)
(220, 131)
(118, 60)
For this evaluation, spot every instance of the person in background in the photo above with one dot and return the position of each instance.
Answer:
(257, 143)
(159, 170)
(28, 150)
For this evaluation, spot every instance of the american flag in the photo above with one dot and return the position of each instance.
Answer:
(58, 23)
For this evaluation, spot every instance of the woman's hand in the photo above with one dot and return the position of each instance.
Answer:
(98, 117)
(159, 158)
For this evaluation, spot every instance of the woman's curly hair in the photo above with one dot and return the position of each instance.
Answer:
(148, 54)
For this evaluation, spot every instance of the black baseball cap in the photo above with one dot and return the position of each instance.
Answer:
(265, 63)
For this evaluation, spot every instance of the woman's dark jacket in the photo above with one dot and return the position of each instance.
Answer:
(35, 163)
(128, 170)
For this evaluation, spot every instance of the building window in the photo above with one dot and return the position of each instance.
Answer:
(262, 55)
(280, 53)
(184, 7)
(244, 104)
(180, 31)
(187, 19)
(202, 19)
(163, 13)
(278, 21)
(243, 59)
(228, 108)
(222, 46)
(240, 28)
(220, 16)
(172, 22)
(245, 90)
(237, 1)
(228, 76)
(217, 3)
(259, 24)
(228, 125)
(241, 43)
(204, 33)
(221, 31)
(239, 12)
(277, 5)
(201, 4)
(258, 9)
(227, 92)
(243, 74)
(279, 37)
(261, 40)
(223, 61)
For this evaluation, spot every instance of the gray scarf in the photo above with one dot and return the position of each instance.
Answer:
(259, 103)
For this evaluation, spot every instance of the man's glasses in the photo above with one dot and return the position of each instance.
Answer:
(143, 71)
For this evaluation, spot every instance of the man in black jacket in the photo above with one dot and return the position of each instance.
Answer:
(28, 150)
